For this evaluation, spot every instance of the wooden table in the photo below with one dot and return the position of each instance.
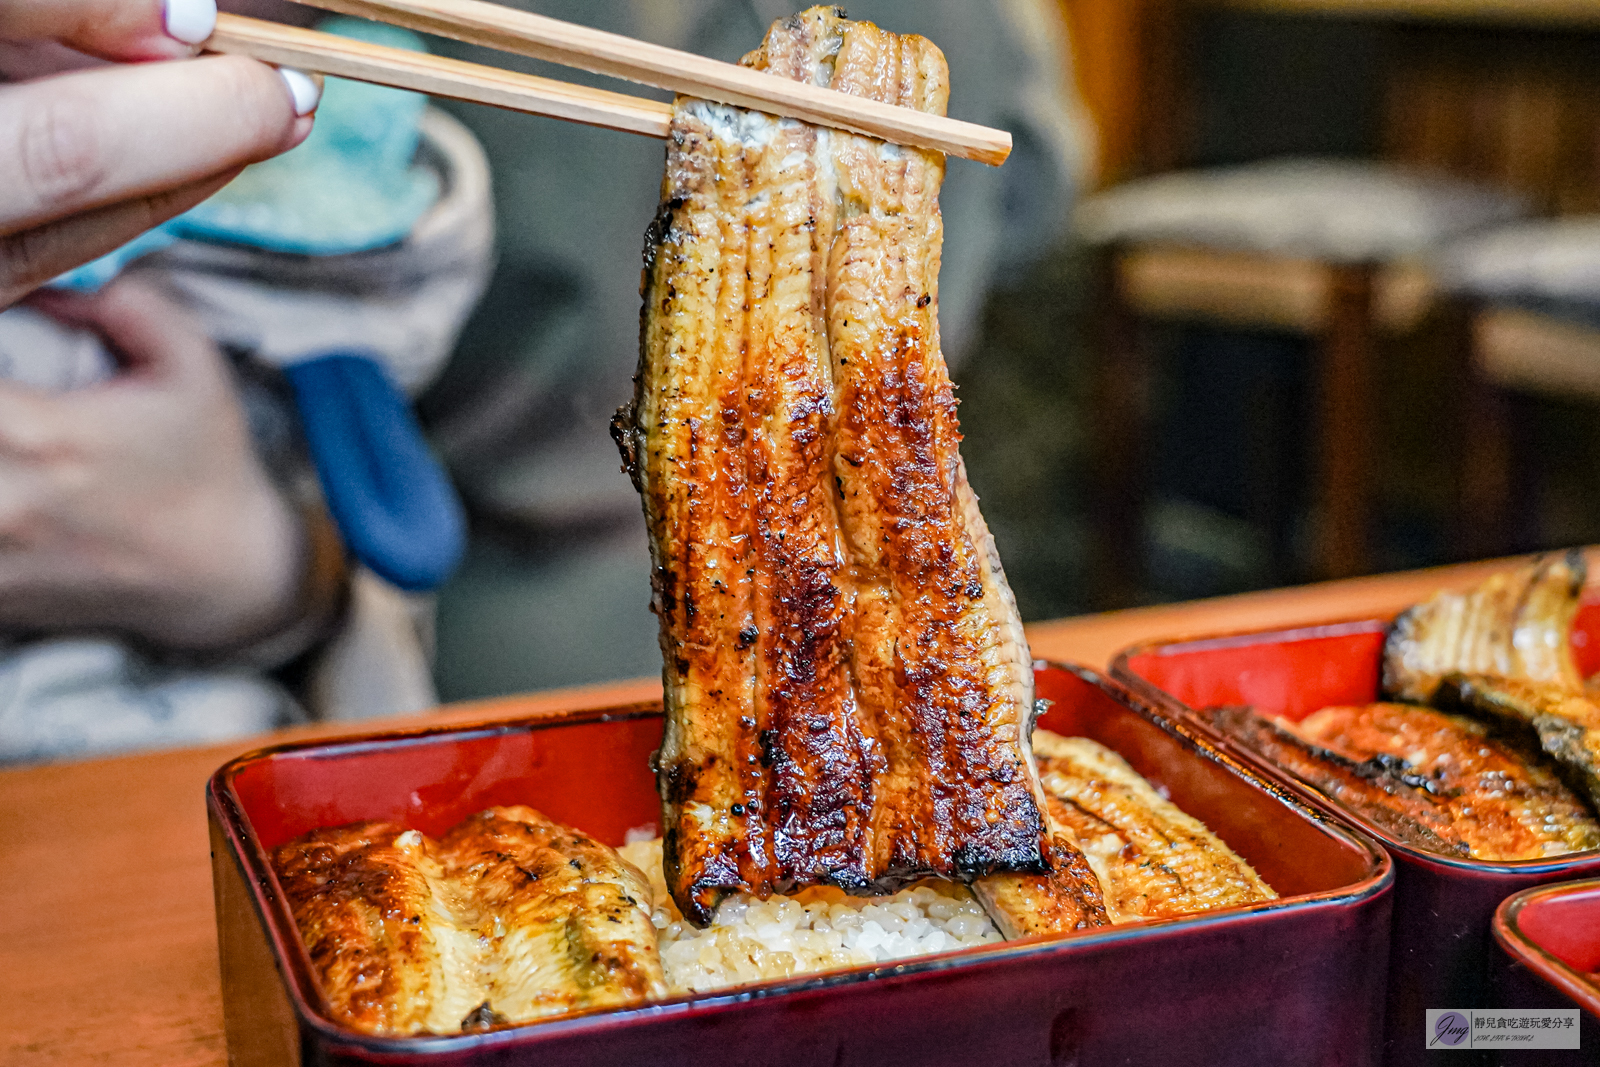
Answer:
(107, 942)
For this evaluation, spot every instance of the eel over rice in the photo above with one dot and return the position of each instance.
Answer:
(1379, 788)
(1515, 625)
(1503, 653)
(1500, 797)
(1151, 859)
(848, 690)
(511, 918)
(1472, 784)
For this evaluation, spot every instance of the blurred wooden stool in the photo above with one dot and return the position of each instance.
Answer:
(1530, 307)
(1326, 249)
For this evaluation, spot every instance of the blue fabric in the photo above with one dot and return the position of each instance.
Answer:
(391, 499)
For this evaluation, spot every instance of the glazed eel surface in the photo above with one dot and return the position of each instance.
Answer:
(1384, 789)
(1500, 797)
(1566, 724)
(1436, 781)
(1153, 860)
(1503, 653)
(509, 918)
(848, 689)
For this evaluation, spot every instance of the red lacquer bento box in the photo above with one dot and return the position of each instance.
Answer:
(1443, 907)
(1548, 942)
(1297, 980)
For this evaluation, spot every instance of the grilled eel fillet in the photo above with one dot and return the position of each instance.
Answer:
(848, 689)
(1127, 853)
(1566, 723)
(1501, 800)
(1515, 625)
(1065, 898)
(511, 918)
(1153, 860)
(1382, 788)
(1504, 652)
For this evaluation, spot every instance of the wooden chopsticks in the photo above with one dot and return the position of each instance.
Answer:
(541, 37)
(342, 57)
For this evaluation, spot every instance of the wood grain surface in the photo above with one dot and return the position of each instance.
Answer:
(107, 940)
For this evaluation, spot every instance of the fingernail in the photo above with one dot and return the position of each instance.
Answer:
(305, 89)
(190, 21)
(300, 131)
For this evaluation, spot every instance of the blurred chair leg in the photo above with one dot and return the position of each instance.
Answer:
(1165, 113)
(1483, 505)
(1121, 391)
(1346, 425)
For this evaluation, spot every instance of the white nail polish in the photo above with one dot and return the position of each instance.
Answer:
(303, 88)
(190, 21)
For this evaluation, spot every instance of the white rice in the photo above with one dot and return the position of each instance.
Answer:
(819, 929)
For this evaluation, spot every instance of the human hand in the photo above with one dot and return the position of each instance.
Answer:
(138, 505)
(91, 159)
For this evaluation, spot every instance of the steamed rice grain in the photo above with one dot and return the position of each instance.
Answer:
(817, 929)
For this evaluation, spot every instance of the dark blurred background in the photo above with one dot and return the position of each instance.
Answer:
(1134, 438)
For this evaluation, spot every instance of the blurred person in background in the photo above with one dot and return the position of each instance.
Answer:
(555, 588)
(175, 566)
(175, 560)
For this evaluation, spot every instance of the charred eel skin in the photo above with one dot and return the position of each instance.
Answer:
(1125, 852)
(1566, 723)
(1502, 799)
(1475, 782)
(1380, 788)
(848, 691)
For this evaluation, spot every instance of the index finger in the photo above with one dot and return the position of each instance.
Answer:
(80, 141)
(112, 29)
